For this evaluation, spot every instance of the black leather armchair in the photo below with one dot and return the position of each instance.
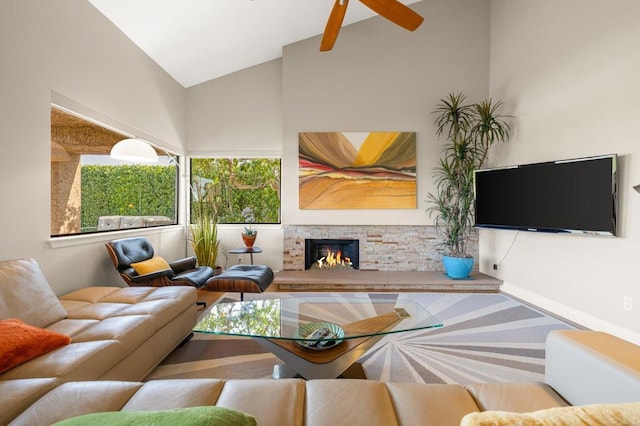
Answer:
(127, 251)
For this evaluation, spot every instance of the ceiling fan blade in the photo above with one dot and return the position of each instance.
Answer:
(334, 23)
(396, 12)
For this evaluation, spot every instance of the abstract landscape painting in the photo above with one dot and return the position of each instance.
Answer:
(357, 170)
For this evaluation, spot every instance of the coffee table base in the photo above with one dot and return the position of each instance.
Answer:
(297, 362)
(283, 371)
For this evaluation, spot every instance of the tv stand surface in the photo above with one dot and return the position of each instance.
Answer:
(370, 280)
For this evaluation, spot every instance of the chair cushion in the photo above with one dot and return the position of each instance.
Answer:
(244, 278)
(26, 294)
(196, 277)
(131, 250)
(155, 264)
(193, 416)
(20, 342)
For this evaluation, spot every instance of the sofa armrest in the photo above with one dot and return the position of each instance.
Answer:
(589, 367)
(182, 265)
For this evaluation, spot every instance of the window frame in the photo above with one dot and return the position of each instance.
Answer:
(242, 155)
(65, 106)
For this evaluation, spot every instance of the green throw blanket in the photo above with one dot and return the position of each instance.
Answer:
(194, 416)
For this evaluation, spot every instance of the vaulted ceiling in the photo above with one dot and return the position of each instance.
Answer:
(199, 40)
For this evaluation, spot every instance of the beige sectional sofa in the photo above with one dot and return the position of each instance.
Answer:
(116, 333)
(594, 370)
(588, 367)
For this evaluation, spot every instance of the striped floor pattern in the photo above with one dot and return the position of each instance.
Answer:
(486, 337)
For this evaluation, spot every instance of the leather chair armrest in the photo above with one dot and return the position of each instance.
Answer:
(151, 276)
(129, 272)
(182, 265)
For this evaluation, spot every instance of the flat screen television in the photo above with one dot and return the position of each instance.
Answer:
(576, 196)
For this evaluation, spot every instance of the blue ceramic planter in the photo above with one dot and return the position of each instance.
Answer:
(457, 268)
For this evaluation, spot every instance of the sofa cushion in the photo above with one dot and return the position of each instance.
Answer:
(176, 393)
(78, 398)
(26, 294)
(193, 416)
(348, 402)
(163, 303)
(270, 402)
(20, 342)
(117, 333)
(19, 394)
(586, 415)
(514, 396)
(425, 402)
(76, 361)
(155, 264)
(106, 325)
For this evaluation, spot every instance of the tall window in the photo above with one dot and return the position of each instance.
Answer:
(230, 185)
(90, 192)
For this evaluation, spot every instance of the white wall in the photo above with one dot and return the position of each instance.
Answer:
(70, 48)
(377, 77)
(240, 115)
(236, 114)
(380, 77)
(568, 70)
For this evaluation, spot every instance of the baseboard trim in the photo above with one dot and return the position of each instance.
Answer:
(579, 317)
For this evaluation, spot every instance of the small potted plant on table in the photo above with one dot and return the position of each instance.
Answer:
(249, 234)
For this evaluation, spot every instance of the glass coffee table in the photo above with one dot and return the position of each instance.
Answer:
(317, 336)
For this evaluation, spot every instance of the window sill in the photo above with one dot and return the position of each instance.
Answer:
(101, 237)
(266, 226)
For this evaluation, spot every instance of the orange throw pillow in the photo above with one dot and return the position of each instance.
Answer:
(20, 342)
(154, 264)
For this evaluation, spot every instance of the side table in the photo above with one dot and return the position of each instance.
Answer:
(246, 250)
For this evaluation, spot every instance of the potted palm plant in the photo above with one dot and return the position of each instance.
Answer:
(204, 227)
(470, 131)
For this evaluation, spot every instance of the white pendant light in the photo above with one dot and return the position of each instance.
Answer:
(134, 150)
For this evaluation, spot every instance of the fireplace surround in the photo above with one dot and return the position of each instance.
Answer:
(382, 247)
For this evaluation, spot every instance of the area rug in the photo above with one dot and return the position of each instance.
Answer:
(486, 337)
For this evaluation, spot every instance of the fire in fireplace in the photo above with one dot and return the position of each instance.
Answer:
(340, 254)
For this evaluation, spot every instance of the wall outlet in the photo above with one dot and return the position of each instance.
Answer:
(628, 303)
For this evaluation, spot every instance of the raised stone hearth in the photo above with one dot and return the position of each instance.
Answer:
(391, 258)
(414, 281)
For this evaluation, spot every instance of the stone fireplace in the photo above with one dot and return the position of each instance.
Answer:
(331, 253)
(382, 247)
